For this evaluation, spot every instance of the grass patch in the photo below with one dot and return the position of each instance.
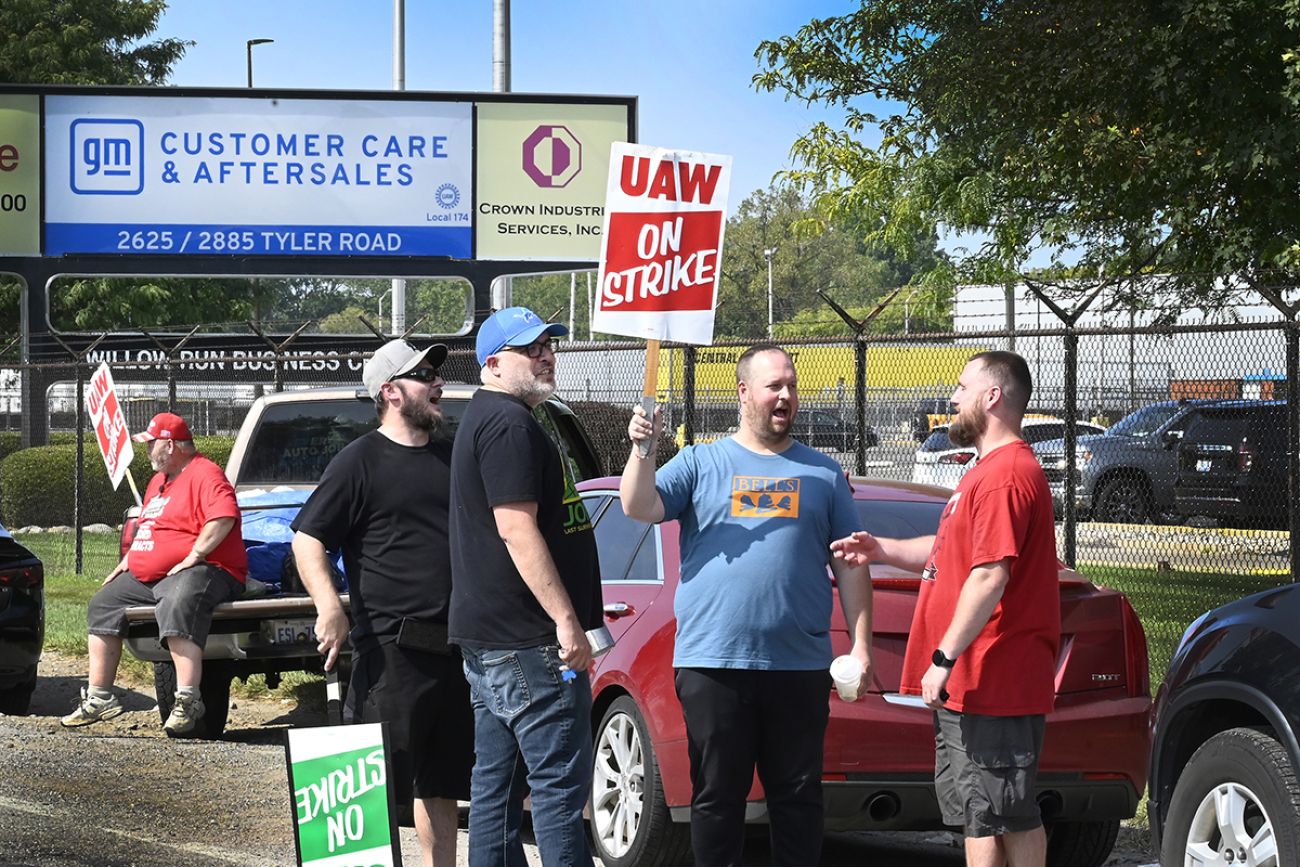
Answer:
(1166, 602)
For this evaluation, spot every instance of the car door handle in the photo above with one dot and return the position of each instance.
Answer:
(615, 610)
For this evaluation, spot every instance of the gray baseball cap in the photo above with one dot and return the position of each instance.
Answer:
(395, 358)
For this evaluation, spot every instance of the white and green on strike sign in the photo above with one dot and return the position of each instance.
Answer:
(342, 801)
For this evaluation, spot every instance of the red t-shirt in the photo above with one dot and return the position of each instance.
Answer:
(174, 514)
(1002, 508)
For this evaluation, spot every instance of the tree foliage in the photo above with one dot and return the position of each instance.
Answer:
(85, 42)
(1129, 136)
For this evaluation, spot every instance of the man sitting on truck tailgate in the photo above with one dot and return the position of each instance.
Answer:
(187, 557)
(384, 501)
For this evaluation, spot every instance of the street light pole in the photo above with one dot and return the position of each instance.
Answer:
(768, 254)
(249, 49)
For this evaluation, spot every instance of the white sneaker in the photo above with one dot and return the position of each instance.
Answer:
(91, 710)
(186, 714)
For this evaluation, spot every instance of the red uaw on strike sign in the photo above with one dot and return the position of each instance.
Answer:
(661, 251)
(109, 423)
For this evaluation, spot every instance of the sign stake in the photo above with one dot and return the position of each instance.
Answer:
(648, 391)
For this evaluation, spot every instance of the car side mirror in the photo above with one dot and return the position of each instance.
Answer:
(1171, 437)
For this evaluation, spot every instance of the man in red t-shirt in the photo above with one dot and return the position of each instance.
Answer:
(984, 639)
(187, 557)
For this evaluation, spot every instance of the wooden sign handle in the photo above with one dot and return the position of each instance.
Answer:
(648, 391)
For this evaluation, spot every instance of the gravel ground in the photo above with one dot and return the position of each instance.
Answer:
(121, 794)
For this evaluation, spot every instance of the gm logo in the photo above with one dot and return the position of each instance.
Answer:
(107, 157)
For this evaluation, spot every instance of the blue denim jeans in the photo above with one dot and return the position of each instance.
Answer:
(532, 734)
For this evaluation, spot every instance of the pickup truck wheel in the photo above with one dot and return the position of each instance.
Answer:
(1236, 801)
(214, 689)
(1122, 500)
(630, 823)
(1080, 844)
(17, 699)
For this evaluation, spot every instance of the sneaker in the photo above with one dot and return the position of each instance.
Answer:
(186, 714)
(92, 710)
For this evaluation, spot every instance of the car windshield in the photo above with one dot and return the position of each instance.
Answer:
(1144, 421)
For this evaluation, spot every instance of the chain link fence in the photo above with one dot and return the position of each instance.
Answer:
(1166, 446)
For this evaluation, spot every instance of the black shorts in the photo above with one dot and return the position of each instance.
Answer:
(985, 771)
(424, 698)
(183, 601)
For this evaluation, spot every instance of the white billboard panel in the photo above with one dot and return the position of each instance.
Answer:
(223, 176)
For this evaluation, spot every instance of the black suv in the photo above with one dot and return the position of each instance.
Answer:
(22, 623)
(1224, 756)
(1130, 473)
(1232, 464)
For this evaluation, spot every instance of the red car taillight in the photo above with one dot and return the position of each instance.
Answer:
(959, 458)
(23, 577)
(1135, 652)
(1245, 456)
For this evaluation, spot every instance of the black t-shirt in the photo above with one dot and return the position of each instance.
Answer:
(385, 506)
(502, 455)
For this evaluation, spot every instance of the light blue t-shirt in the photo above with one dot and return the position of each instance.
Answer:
(755, 537)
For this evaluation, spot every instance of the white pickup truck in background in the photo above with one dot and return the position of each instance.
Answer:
(284, 444)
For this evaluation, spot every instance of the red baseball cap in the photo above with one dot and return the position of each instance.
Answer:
(165, 426)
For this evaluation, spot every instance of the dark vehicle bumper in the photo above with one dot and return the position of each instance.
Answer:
(22, 634)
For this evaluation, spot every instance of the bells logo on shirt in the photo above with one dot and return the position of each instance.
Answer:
(764, 497)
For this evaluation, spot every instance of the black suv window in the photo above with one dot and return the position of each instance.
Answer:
(1145, 421)
(1230, 425)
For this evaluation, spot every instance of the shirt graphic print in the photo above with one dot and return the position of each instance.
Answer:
(764, 497)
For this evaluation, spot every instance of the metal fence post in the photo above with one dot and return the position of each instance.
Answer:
(860, 400)
(688, 394)
(1071, 527)
(79, 478)
(1293, 440)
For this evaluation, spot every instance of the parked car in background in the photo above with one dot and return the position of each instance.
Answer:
(879, 757)
(1129, 473)
(1232, 464)
(931, 412)
(939, 462)
(827, 431)
(1224, 755)
(22, 623)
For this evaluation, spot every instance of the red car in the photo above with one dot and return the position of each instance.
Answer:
(879, 762)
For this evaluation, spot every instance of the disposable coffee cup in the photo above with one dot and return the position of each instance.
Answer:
(847, 674)
(600, 639)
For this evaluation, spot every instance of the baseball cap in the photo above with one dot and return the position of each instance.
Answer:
(514, 326)
(165, 426)
(395, 358)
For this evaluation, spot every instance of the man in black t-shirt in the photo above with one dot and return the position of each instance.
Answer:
(525, 589)
(384, 501)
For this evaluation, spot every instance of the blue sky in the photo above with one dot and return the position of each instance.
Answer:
(689, 62)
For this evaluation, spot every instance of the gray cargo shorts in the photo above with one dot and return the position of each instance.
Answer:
(985, 770)
(184, 602)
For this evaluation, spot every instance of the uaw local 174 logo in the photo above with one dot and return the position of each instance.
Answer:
(552, 156)
(447, 196)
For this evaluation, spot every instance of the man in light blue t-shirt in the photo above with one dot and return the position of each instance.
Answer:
(758, 512)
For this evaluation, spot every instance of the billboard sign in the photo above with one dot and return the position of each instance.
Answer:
(20, 175)
(661, 249)
(540, 175)
(262, 177)
(109, 424)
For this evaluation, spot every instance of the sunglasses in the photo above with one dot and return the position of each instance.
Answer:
(420, 374)
(533, 350)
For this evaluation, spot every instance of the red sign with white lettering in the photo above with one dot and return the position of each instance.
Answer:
(110, 424)
(661, 250)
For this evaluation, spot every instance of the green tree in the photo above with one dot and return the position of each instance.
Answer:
(85, 42)
(1127, 136)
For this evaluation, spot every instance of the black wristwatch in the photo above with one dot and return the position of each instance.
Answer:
(942, 661)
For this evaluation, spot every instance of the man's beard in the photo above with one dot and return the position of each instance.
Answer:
(761, 425)
(529, 388)
(964, 431)
(421, 415)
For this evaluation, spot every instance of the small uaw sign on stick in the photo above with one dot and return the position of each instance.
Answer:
(661, 250)
(110, 427)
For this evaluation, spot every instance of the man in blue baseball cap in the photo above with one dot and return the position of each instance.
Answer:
(513, 328)
(525, 589)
